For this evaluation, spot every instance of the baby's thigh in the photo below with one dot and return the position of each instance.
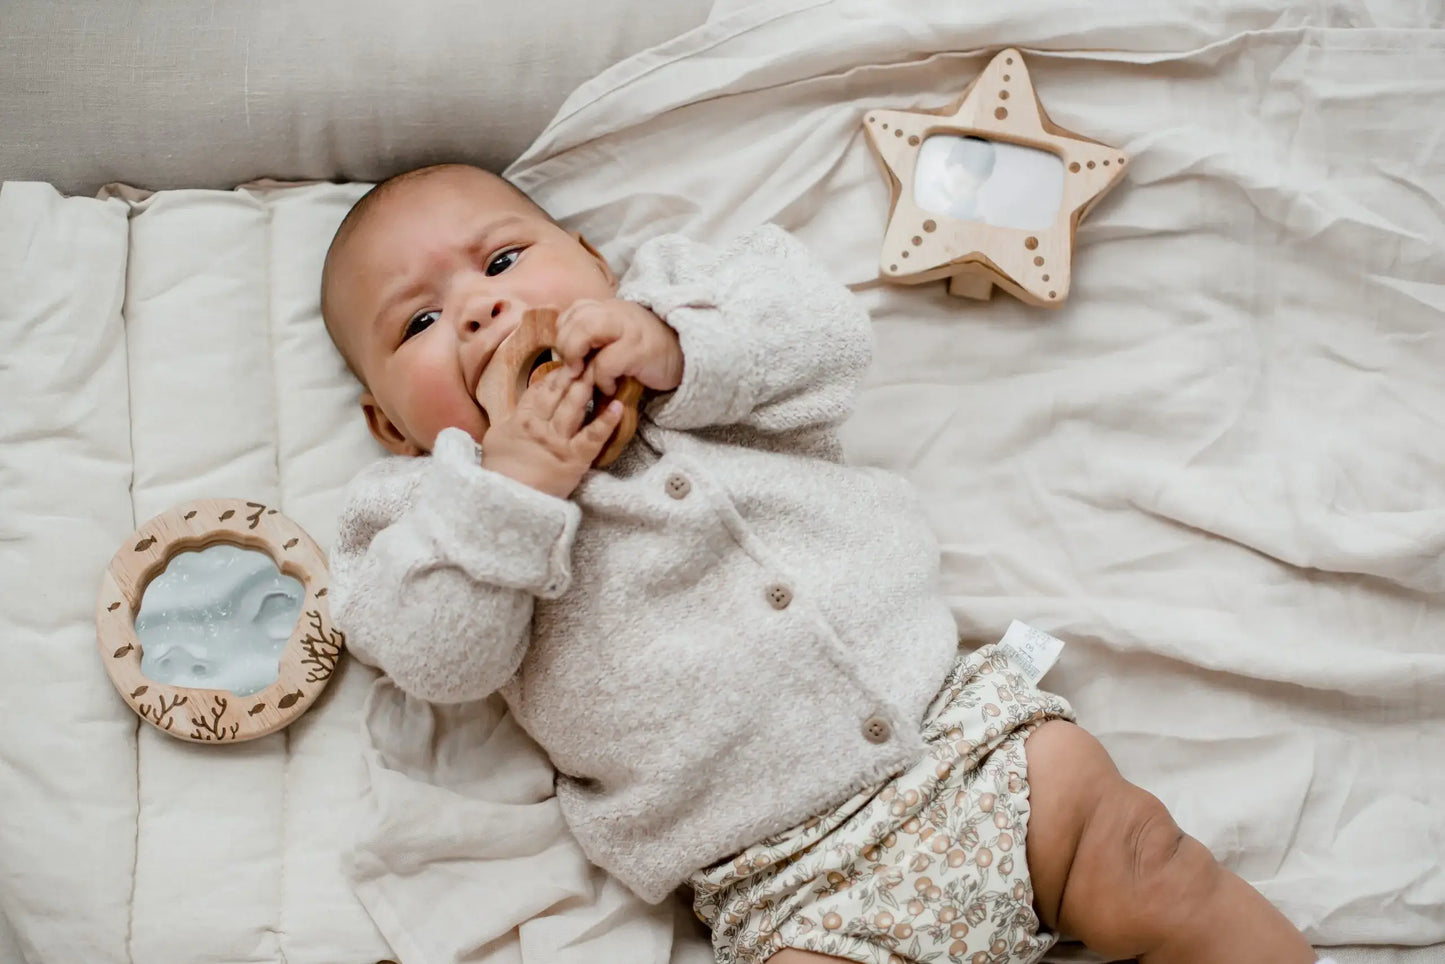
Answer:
(1069, 772)
(1101, 851)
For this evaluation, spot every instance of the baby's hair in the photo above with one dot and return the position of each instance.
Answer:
(357, 215)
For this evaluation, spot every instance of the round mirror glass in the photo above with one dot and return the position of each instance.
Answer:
(218, 618)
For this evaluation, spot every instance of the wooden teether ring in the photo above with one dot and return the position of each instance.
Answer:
(516, 365)
(216, 715)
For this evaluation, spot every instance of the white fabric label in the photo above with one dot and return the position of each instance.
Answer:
(1032, 650)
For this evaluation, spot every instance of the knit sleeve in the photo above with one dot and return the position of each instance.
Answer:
(436, 566)
(770, 340)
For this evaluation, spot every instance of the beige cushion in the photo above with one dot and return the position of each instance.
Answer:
(173, 94)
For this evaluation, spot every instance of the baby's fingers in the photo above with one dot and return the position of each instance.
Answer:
(583, 328)
(613, 362)
(544, 396)
(590, 442)
(572, 409)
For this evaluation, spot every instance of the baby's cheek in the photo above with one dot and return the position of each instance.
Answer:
(439, 402)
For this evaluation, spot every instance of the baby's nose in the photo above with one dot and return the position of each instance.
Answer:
(484, 316)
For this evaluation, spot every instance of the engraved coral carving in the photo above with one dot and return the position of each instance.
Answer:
(160, 712)
(208, 726)
(322, 647)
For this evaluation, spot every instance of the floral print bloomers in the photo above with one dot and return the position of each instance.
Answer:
(927, 866)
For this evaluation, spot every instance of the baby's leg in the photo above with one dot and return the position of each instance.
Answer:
(1112, 869)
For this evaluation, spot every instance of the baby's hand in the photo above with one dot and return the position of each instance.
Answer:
(628, 339)
(544, 443)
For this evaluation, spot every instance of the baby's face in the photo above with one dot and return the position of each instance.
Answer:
(432, 280)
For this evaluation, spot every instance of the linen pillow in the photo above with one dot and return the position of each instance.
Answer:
(171, 94)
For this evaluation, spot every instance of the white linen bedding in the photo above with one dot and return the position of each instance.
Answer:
(1219, 472)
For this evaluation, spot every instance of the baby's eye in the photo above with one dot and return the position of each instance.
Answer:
(503, 261)
(420, 323)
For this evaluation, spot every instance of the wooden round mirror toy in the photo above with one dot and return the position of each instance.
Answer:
(525, 356)
(213, 621)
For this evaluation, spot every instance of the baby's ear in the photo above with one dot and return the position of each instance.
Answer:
(384, 430)
(597, 256)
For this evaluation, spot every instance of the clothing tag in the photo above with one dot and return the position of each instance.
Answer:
(1032, 651)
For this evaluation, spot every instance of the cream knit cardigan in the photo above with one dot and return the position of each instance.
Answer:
(728, 631)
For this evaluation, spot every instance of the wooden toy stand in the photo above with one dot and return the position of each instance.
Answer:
(212, 715)
(921, 246)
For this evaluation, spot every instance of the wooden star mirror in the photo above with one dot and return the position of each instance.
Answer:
(988, 191)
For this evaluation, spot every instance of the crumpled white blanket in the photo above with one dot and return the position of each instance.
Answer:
(462, 839)
(1218, 472)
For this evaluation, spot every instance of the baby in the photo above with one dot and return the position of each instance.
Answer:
(731, 644)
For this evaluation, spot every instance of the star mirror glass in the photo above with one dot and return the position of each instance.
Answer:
(988, 181)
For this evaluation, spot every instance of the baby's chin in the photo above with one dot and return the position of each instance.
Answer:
(473, 432)
(468, 417)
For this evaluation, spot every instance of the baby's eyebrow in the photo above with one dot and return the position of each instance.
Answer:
(397, 295)
(480, 240)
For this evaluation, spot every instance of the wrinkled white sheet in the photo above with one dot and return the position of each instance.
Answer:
(461, 840)
(1220, 470)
